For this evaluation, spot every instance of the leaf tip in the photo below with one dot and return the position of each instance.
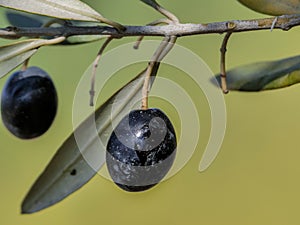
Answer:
(29, 208)
(26, 210)
(32, 204)
(203, 167)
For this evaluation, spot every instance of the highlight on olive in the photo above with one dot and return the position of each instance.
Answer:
(141, 150)
(28, 103)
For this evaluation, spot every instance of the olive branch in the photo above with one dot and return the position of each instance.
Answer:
(285, 23)
(78, 23)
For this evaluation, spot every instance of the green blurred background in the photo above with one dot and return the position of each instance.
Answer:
(255, 178)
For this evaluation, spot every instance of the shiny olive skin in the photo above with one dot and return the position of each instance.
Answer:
(28, 103)
(141, 150)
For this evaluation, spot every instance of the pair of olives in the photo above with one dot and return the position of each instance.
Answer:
(141, 150)
(28, 103)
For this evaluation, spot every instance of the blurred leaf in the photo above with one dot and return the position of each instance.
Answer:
(63, 9)
(82, 39)
(264, 75)
(273, 7)
(21, 19)
(151, 3)
(9, 64)
(68, 170)
(14, 54)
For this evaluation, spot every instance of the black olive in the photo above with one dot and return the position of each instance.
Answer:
(28, 103)
(141, 150)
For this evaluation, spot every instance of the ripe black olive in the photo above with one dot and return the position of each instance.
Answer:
(28, 103)
(141, 150)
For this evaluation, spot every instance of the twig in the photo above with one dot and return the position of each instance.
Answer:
(285, 22)
(157, 57)
(95, 65)
(25, 64)
(145, 90)
(223, 50)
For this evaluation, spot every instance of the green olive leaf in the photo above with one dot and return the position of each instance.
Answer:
(264, 75)
(7, 65)
(63, 9)
(14, 54)
(69, 169)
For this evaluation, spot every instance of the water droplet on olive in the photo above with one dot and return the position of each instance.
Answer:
(28, 103)
(141, 150)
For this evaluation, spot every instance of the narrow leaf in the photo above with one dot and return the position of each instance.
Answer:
(151, 3)
(14, 54)
(69, 169)
(7, 65)
(264, 75)
(273, 7)
(64, 9)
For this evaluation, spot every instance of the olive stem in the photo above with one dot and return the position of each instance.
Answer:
(155, 58)
(223, 51)
(95, 65)
(25, 64)
(145, 90)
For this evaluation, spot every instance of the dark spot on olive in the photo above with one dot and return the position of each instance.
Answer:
(28, 103)
(141, 150)
(73, 172)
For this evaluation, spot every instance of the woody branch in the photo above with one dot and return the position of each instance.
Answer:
(284, 22)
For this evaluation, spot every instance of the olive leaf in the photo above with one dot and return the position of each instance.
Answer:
(14, 54)
(273, 7)
(7, 65)
(68, 170)
(264, 75)
(22, 19)
(64, 9)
